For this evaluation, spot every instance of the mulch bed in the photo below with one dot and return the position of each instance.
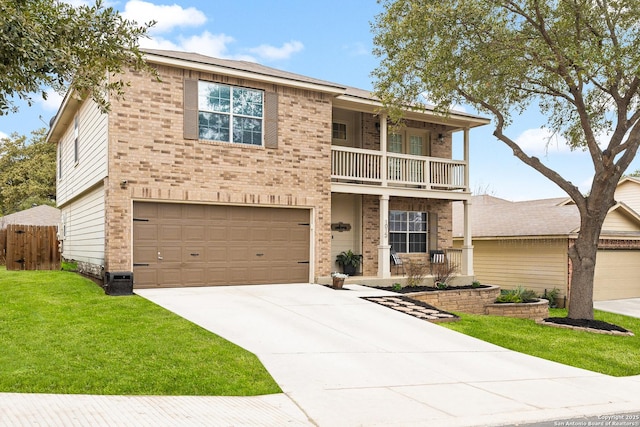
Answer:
(412, 289)
(597, 326)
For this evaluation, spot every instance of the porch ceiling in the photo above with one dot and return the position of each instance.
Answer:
(376, 190)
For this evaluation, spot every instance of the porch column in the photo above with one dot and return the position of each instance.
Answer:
(467, 246)
(384, 249)
(383, 149)
(466, 158)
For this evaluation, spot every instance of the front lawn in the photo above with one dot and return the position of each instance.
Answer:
(59, 333)
(608, 354)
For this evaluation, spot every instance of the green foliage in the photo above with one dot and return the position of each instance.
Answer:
(397, 286)
(27, 172)
(517, 295)
(52, 44)
(607, 354)
(348, 258)
(476, 284)
(60, 333)
(551, 296)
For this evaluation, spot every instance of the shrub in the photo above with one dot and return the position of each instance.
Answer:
(416, 272)
(517, 295)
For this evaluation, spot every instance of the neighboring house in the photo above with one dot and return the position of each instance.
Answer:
(38, 215)
(229, 172)
(526, 243)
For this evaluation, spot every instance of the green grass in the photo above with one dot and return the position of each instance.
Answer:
(59, 333)
(607, 354)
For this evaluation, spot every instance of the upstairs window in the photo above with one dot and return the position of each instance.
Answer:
(408, 231)
(339, 131)
(230, 114)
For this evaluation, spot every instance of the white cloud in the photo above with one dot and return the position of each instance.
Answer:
(541, 141)
(53, 101)
(167, 17)
(205, 44)
(271, 53)
(3, 135)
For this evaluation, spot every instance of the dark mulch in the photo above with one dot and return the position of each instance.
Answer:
(586, 323)
(411, 289)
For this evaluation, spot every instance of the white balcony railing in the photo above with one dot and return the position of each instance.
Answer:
(365, 166)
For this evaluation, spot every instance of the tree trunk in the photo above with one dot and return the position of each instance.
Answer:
(583, 253)
(583, 266)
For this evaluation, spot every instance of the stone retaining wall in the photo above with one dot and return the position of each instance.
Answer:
(482, 301)
(470, 301)
(534, 310)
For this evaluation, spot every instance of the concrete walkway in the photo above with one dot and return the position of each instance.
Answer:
(628, 307)
(344, 361)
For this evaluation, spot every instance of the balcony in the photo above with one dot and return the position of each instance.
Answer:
(358, 166)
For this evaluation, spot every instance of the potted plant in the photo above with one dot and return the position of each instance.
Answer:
(338, 280)
(349, 262)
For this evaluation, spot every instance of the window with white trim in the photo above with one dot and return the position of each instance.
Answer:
(230, 114)
(408, 231)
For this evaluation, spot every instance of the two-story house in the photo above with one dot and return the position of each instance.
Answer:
(229, 172)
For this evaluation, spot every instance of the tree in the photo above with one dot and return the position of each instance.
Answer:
(50, 44)
(578, 60)
(27, 172)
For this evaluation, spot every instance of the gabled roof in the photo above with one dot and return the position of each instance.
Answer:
(253, 70)
(493, 217)
(39, 215)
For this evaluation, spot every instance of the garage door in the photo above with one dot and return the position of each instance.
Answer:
(202, 245)
(617, 275)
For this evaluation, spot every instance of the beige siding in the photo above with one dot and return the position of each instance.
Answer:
(534, 264)
(83, 228)
(629, 194)
(91, 167)
(617, 275)
(617, 220)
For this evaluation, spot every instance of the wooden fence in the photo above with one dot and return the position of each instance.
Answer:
(30, 247)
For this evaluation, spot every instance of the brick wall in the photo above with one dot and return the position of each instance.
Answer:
(472, 301)
(147, 148)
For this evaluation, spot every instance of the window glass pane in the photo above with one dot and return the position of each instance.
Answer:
(213, 126)
(339, 131)
(417, 221)
(247, 131)
(214, 97)
(415, 145)
(394, 142)
(247, 102)
(417, 242)
(397, 221)
(398, 242)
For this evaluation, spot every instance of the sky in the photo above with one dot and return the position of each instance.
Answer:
(330, 40)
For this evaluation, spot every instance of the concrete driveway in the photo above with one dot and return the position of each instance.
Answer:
(346, 361)
(628, 307)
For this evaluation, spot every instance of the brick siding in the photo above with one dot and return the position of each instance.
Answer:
(147, 149)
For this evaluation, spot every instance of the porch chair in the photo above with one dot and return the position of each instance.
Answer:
(397, 261)
(436, 258)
